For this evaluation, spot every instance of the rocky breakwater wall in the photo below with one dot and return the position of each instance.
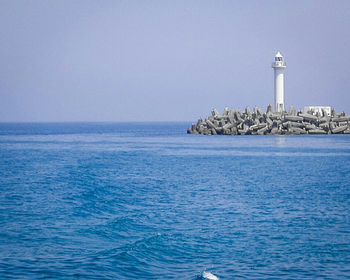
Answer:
(256, 122)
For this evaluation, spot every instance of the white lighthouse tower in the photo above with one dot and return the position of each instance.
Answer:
(278, 65)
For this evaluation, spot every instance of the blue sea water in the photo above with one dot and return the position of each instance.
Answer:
(148, 201)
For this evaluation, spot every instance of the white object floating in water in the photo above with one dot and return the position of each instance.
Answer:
(209, 276)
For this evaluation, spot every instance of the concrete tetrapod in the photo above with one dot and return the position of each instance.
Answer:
(256, 122)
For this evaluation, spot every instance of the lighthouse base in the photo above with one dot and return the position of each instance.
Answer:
(279, 107)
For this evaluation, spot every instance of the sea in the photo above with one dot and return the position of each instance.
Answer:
(148, 201)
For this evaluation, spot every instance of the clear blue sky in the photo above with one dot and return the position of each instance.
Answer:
(167, 60)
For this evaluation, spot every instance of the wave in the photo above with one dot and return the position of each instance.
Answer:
(206, 275)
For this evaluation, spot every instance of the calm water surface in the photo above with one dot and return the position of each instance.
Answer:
(148, 201)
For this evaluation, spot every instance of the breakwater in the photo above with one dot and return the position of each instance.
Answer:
(257, 122)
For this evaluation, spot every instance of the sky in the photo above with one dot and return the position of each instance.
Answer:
(119, 61)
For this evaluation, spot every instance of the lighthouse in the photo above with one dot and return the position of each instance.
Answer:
(279, 65)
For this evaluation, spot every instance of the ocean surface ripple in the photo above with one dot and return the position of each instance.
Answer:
(147, 201)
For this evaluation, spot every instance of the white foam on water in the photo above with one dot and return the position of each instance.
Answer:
(209, 276)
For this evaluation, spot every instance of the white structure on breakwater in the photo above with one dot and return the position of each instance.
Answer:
(279, 65)
(318, 109)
